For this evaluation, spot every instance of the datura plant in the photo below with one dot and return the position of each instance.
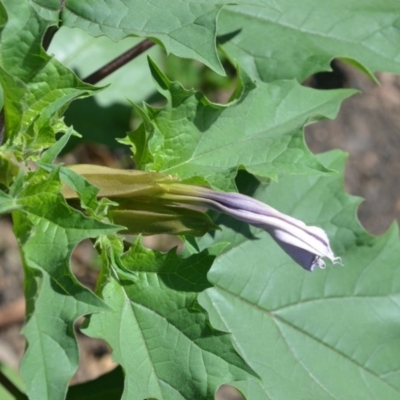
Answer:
(223, 167)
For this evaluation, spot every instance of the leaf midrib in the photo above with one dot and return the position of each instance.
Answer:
(328, 346)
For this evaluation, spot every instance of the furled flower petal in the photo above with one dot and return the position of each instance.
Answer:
(307, 245)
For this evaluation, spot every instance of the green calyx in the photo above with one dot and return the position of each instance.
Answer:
(144, 201)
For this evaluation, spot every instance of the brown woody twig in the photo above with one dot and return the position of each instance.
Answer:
(119, 62)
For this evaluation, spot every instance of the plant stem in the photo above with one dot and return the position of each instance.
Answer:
(48, 36)
(119, 62)
(51, 31)
(7, 384)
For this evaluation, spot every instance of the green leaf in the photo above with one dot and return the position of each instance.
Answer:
(48, 231)
(37, 88)
(301, 37)
(158, 332)
(8, 168)
(86, 192)
(107, 115)
(304, 333)
(7, 203)
(185, 29)
(51, 154)
(261, 131)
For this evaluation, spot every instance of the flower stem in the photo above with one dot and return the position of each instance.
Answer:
(118, 62)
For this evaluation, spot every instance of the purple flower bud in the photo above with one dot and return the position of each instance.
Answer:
(306, 245)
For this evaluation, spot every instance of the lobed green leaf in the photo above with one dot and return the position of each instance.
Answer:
(329, 334)
(299, 38)
(37, 88)
(47, 231)
(260, 131)
(186, 29)
(7, 203)
(158, 332)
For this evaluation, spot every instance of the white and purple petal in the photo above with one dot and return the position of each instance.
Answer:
(306, 245)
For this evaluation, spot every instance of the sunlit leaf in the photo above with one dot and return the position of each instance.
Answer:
(47, 231)
(299, 38)
(260, 131)
(159, 334)
(330, 334)
(36, 88)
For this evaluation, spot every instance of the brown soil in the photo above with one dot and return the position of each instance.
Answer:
(368, 128)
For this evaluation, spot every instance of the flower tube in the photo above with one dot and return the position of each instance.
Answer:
(306, 245)
(149, 201)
